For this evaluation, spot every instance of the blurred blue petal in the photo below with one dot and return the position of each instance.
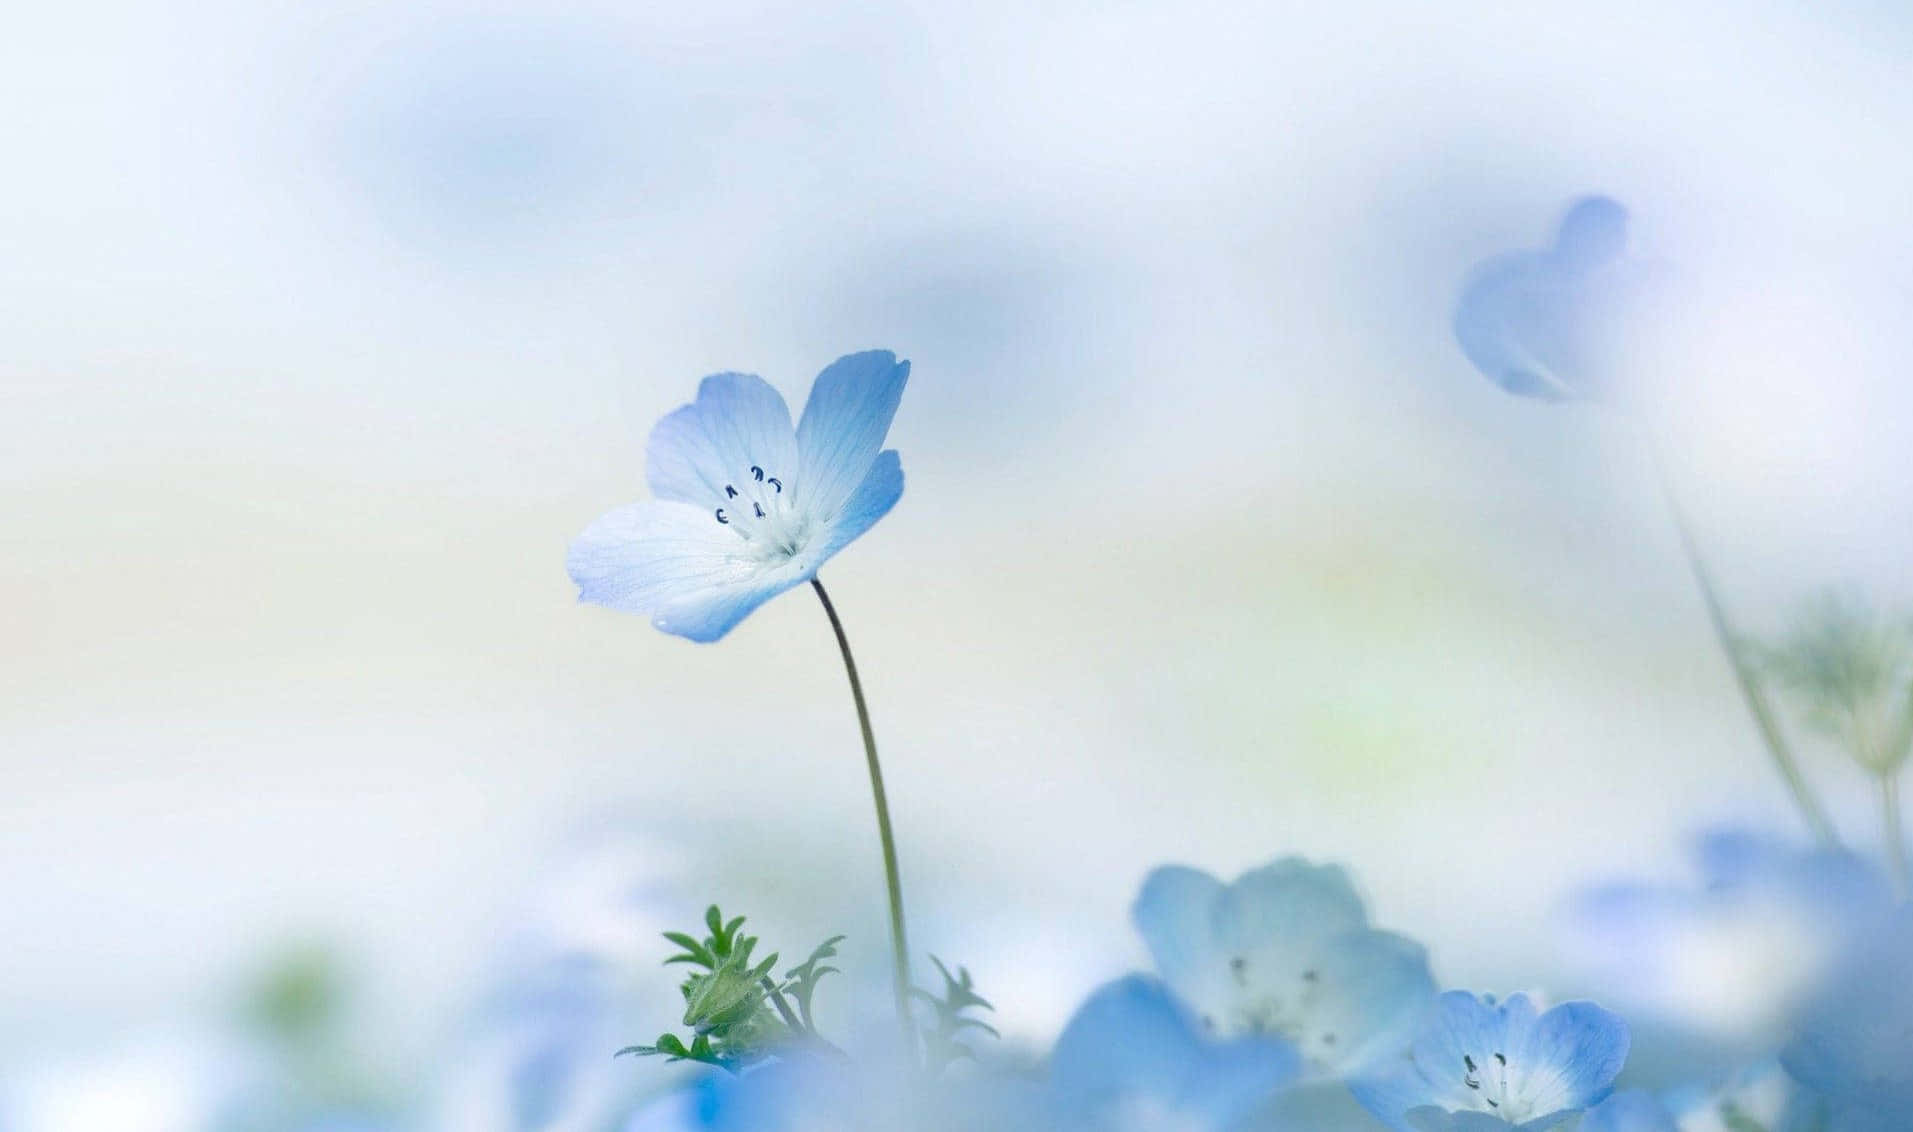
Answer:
(1730, 953)
(1560, 324)
(1286, 950)
(1854, 1039)
(812, 1093)
(1132, 1050)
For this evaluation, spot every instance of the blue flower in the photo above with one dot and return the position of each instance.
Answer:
(1287, 950)
(1133, 1060)
(831, 1093)
(745, 507)
(537, 1057)
(1854, 1044)
(1481, 1065)
(1731, 954)
(1558, 324)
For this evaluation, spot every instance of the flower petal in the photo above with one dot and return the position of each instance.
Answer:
(872, 500)
(1291, 901)
(1571, 1056)
(644, 555)
(676, 563)
(1175, 915)
(738, 421)
(844, 423)
(1375, 996)
(1131, 1041)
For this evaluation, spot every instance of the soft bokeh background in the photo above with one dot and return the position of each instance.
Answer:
(323, 327)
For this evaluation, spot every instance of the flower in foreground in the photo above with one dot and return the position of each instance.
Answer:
(1558, 324)
(1480, 1065)
(1286, 951)
(1854, 1045)
(746, 507)
(1133, 1060)
(813, 1092)
(1733, 953)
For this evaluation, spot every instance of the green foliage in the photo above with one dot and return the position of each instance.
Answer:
(1850, 672)
(801, 981)
(940, 1045)
(736, 1012)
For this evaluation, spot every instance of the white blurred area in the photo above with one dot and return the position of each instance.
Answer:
(324, 327)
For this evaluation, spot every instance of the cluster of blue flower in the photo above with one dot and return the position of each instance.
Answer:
(1275, 1003)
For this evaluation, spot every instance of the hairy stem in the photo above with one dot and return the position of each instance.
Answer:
(1751, 688)
(1895, 834)
(899, 944)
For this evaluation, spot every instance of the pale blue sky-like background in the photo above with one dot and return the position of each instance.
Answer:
(323, 327)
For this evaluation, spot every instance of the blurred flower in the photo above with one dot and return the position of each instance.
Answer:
(1561, 324)
(827, 1093)
(1630, 1111)
(1733, 954)
(1760, 1096)
(1854, 1042)
(539, 1058)
(1133, 1060)
(1482, 1065)
(745, 508)
(1287, 950)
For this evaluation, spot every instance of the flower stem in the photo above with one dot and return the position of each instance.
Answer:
(1895, 835)
(899, 944)
(1751, 688)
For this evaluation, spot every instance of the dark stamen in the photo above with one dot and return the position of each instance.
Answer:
(730, 492)
(720, 516)
(776, 483)
(1502, 1060)
(757, 473)
(1469, 1062)
(759, 508)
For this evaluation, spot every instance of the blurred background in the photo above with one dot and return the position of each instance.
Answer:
(324, 327)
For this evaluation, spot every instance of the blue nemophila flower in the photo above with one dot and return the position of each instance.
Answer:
(1731, 953)
(1854, 1044)
(1133, 1059)
(1287, 951)
(746, 507)
(1481, 1065)
(1563, 323)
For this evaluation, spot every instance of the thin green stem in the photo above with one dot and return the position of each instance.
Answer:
(1751, 688)
(899, 943)
(1895, 835)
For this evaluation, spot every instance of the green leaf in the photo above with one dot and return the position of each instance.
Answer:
(940, 1044)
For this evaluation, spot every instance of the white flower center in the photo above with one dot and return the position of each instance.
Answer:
(1288, 1006)
(757, 506)
(1492, 1088)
